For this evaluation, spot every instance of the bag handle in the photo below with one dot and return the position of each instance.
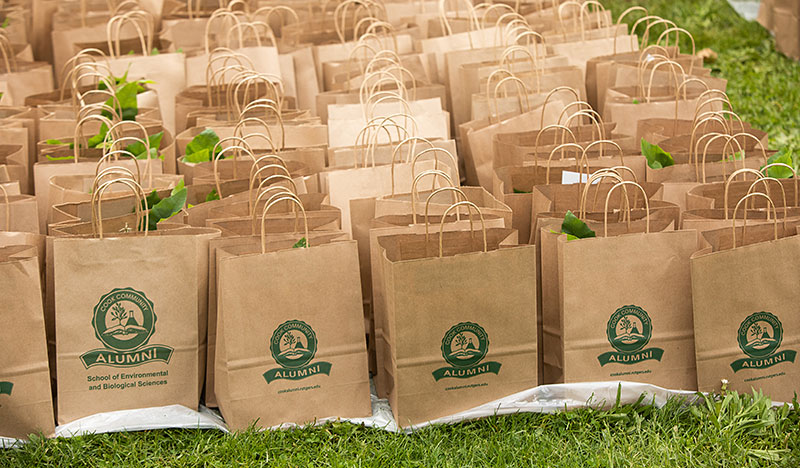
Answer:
(117, 171)
(469, 206)
(744, 226)
(677, 31)
(239, 146)
(794, 177)
(291, 199)
(456, 192)
(743, 171)
(765, 181)
(238, 130)
(280, 191)
(594, 118)
(262, 190)
(412, 146)
(219, 16)
(646, 206)
(624, 14)
(522, 89)
(435, 151)
(110, 142)
(714, 137)
(79, 137)
(116, 154)
(602, 143)
(97, 205)
(555, 127)
(553, 92)
(114, 28)
(597, 176)
(562, 147)
(614, 171)
(274, 158)
(435, 174)
(384, 123)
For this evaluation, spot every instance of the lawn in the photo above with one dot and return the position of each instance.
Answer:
(737, 431)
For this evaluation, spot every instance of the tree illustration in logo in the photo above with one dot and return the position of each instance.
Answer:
(463, 346)
(127, 327)
(119, 313)
(293, 347)
(758, 336)
(460, 341)
(629, 330)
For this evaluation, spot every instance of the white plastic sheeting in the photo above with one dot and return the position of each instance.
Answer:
(542, 399)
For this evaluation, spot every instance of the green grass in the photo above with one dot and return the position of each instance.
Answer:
(764, 87)
(736, 432)
(763, 84)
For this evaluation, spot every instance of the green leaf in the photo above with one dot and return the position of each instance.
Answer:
(58, 158)
(98, 139)
(213, 195)
(737, 156)
(520, 191)
(167, 207)
(635, 101)
(574, 228)
(137, 149)
(5, 23)
(302, 243)
(55, 142)
(657, 158)
(154, 51)
(199, 149)
(779, 172)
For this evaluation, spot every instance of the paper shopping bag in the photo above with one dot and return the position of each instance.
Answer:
(130, 309)
(283, 355)
(26, 403)
(746, 331)
(477, 302)
(620, 320)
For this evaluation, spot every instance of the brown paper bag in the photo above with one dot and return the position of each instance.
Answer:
(626, 309)
(144, 337)
(477, 137)
(745, 323)
(478, 304)
(26, 404)
(393, 225)
(274, 231)
(627, 105)
(317, 362)
(19, 213)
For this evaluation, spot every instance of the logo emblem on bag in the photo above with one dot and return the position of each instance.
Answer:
(6, 387)
(463, 347)
(628, 331)
(124, 321)
(760, 335)
(293, 346)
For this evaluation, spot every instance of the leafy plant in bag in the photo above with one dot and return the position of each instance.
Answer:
(657, 158)
(126, 94)
(784, 156)
(212, 195)
(164, 208)
(574, 228)
(199, 149)
(302, 243)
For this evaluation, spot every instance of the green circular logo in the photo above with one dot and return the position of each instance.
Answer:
(465, 344)
(124, 320)
(629, 329)
(293, 344)
(760, 334)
